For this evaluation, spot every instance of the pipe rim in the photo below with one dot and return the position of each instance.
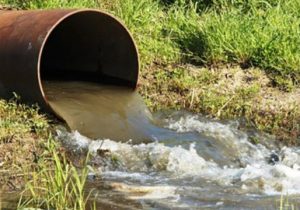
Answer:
(53, 27)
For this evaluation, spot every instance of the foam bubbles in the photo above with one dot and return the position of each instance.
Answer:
(250, 173)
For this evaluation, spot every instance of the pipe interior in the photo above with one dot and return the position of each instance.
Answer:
(90, 46)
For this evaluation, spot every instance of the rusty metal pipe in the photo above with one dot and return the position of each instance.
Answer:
(36, 46)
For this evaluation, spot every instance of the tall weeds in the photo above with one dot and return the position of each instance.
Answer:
(57, 184)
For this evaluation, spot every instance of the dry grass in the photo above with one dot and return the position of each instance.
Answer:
(225, 92)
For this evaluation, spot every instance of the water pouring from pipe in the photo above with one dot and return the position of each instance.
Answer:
(81, 65)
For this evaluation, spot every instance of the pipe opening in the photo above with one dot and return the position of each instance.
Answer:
(90, 46)
(63, 63)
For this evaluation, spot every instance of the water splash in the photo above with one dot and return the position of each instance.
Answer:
(195, 172)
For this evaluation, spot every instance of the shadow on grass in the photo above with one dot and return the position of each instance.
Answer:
(202, 5)
(194, 47)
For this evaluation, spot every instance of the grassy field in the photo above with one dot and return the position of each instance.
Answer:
(249, 33)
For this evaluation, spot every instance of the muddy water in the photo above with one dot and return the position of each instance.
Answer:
(101, 111)
(195, 163)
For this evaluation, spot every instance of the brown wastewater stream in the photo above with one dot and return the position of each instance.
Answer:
(188, 162)
(100, 111)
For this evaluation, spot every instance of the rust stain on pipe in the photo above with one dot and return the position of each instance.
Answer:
(36, 46)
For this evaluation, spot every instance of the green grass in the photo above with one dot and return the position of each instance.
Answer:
(31, 159)
(17, 120)
(257, 33)
(265, 36)
(20, 126)
(57, 184)
(262, 34)
(38, 4)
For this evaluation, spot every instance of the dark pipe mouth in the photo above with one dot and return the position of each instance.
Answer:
(88, 45)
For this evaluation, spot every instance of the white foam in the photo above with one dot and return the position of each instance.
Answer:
(254, 175)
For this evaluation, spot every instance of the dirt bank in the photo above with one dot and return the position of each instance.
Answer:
(225, 92)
